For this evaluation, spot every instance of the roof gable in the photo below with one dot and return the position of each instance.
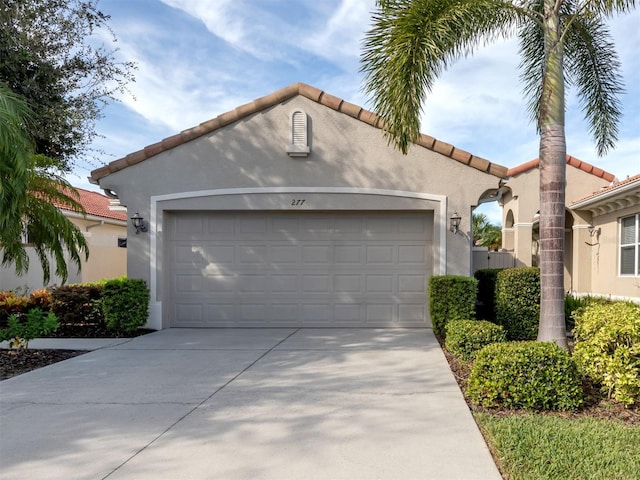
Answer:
(280, 96)
(573, 161)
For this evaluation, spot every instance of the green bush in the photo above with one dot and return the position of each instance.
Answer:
(78, 303)
(607, 348)
(572, 303)
(466, 337)
(451, 297)
(486, 305)
(518, 302)
(21, 329)
(125, 304)
(529, 375)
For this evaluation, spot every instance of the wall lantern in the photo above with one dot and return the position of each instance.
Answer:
(138, 223)
(454, 223)
(593, 231)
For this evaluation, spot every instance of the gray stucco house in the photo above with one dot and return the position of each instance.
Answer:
(293, 210)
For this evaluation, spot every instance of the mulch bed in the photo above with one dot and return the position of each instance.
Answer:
(14, 363)
(596, 404)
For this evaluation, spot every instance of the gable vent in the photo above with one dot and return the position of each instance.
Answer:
(299, 146)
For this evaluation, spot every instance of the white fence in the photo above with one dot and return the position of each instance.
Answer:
(483, 258)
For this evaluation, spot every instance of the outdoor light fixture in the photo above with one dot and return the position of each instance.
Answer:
(454, 223)
(593, 231)
(138, 223)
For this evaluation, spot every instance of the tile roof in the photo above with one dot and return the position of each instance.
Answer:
(96, 204)
(610, 188)
(280, 96)
(573, 161)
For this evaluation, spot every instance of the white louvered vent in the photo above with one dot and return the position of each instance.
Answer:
(299, 146)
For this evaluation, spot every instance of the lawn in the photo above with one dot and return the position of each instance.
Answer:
(601, 441)
(537, 446)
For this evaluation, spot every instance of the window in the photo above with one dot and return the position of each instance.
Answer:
(122, 242)
(630, 245)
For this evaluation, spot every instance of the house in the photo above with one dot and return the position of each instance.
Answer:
(105, 230)
(293, 210)
(600, 215)
(613, 243)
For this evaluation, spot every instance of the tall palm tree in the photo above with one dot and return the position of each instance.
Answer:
(561, 41)
(30, 191)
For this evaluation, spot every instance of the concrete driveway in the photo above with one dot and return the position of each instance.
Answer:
(245, 404)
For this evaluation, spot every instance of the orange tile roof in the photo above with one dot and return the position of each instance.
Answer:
(95, 204)
(573, 161)
(615, 186)
(280, 96)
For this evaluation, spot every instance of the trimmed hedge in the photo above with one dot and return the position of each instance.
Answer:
(78, 303)
(607, 348)
(487, 278)
(125, 304)
(518, 302)
(528, 375)
(466, 337)
(451, 297)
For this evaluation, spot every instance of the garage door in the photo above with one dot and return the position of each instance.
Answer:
(298, 269)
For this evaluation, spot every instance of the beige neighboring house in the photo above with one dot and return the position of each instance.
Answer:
(293, 210)
(105, 229)
(601, 215)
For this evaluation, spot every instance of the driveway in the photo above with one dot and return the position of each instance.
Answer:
(245, 404)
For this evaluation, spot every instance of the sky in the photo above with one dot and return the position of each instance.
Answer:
(197, 59)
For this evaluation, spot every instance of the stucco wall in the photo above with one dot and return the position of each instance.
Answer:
(605, 257)
(523, 200)
(106, 260)
(251, 153)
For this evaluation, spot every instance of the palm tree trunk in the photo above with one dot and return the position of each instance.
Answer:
(552, 185)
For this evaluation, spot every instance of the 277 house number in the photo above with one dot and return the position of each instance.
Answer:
(297, 202)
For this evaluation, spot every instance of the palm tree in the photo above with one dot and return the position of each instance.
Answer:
(30, 192)
(485, 234)
(561, 41)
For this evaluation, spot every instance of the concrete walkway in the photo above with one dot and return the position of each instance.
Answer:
(245, 404)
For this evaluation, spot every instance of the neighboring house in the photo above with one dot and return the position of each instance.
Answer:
(105, 229)
(596, 262)
(613, 243)
(293, 210)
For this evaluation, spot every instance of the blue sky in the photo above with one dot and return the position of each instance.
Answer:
(199, 58)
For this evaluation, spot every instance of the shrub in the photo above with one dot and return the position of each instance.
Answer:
(486, 304)
(125, 304)
(78, 303)
(607, 348)
(572, 303)
(530, 375)
(22, 329)
(40, 299)
(451, 297)
(518, 302)
(466, 337)
(11, 304)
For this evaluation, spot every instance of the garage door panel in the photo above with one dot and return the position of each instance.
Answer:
(302, 269)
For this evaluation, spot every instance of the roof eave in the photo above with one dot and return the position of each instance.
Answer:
(275, 98)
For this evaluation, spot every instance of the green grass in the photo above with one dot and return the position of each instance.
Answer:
(544, 447)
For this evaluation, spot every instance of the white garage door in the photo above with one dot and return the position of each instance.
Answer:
(298, 269)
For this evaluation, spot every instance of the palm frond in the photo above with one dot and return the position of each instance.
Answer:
(412, 42)
(592, 65)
